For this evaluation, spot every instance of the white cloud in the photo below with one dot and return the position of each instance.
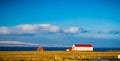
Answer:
(26, 27)
(112, 31)
(46, 28)
(4, 30)
(54, 29)
(71, 30)
(29, 28)
(105, 32)
(16, 43)
(43, 25)
(23, 44)
(37, 29)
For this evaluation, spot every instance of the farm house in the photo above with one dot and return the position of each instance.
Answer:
(81, 47)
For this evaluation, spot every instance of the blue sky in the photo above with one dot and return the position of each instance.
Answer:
(55, 21)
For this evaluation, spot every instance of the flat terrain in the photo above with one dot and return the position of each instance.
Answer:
(58, 56)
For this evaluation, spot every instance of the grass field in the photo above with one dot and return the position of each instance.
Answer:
(58, 56)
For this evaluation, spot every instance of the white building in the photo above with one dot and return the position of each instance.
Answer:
(82, 47)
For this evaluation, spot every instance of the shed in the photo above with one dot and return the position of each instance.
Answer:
(69, 49)
(40, 49)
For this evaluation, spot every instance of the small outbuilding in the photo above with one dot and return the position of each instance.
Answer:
(69, 49)
(40, 49)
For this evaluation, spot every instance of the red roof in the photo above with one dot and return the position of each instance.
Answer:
(83, 45)
(70, 48)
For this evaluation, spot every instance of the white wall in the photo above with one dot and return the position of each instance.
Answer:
(83, 48)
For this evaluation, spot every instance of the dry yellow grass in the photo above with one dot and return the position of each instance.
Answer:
(56, 55)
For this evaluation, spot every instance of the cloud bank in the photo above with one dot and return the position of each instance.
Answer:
(37, 29)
